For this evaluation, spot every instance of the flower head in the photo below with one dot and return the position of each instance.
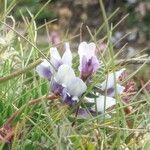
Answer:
(88, 60)
(64, 74)
(110, 84)
(67, 85)
(46, 69)
(57, 60)
(102, 103)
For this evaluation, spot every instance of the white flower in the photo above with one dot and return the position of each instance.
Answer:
(64, 75)
(102, 103)
(67, 84)
(46, 69)
(67, 56)
(57, 60)
(88, 59)
(76, 87)
(86, 49)
(119, 89)
(110, 84)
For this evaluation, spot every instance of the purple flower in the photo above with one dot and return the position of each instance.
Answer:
(56, 88)
(110, 84)
(57, 60)
(88, 60)
(85, 113)
(46, 69)
(105, 102)
(67, 85)
(61, 78)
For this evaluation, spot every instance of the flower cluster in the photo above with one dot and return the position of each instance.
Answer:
(70, 88)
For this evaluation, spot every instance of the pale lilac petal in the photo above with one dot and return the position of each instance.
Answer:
(87, 67)
(92, 48)
(44, 69)
(95, 64)
(119, 90)
(56, 88)
(102, 102)
(68, 99)
(83, 64)
(67, 56)
(88, 60)
(55, 58)
(89, 50)
(84, 113)
(110, 81)
(86, 49)
(76, 87)
(64, 75)
(82, 50)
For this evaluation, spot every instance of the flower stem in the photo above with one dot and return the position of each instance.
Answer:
(21, 71)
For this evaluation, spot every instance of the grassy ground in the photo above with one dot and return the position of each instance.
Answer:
(30, 120)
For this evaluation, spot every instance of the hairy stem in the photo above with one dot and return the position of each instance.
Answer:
(21, 71)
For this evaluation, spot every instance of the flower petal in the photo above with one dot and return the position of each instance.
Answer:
(119, 90)
(64, 75)
(95, 63)
(88, 67)
(67, 56)
(100, 103)
(88, 60)
(84, 113)
(110, 82)
(76, 87)
(55, 57)
(44, 69)
(82, 50)
(56, 88)
(92, 48)
(82, 66)
(86, 49)
(68, 99)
